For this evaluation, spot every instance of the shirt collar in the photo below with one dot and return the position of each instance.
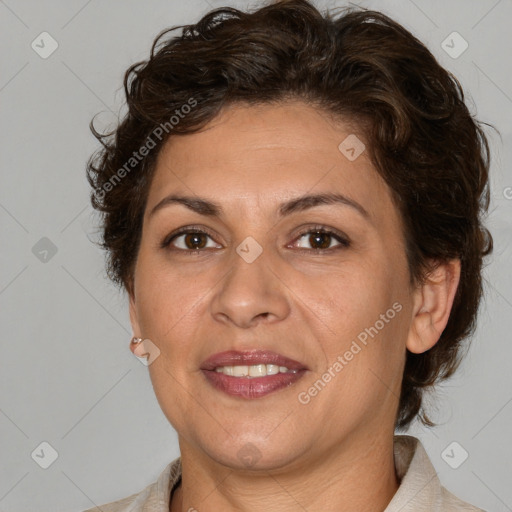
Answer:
(419, 484)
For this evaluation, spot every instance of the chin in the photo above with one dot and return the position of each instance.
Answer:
(255, 453)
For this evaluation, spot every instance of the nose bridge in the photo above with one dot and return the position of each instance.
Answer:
(251, 290)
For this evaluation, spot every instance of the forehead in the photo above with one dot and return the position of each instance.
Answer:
(257, 156)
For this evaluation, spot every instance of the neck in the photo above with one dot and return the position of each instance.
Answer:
(359, 476)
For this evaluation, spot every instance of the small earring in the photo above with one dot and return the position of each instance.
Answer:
(136, 341)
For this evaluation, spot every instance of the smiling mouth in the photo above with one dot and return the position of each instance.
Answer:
(251, 373)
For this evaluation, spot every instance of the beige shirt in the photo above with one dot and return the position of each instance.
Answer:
(420, 489)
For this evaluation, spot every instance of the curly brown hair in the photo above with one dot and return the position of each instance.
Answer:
(360, 66)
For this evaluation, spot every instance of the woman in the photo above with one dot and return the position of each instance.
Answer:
(293, 205)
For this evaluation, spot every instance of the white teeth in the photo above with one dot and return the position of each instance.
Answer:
(240, 371)
(256, 370)
(272, 369)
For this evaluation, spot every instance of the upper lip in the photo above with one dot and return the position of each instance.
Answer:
(250, 357)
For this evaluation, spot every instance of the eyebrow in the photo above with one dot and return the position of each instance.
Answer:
(204, 206)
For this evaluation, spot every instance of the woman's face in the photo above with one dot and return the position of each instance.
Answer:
(259, 278)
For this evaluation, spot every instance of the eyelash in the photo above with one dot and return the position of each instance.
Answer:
(344, 242)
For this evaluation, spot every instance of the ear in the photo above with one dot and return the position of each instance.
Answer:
(432, 306)
(134, 320)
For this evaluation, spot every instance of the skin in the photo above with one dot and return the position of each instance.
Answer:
(334, 453)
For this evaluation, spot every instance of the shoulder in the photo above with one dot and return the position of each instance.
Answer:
(420, 489)
(450, 502)
(153, 497)
(114, 506)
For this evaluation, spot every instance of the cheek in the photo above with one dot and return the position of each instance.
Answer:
(364, 311)
(349, 299)
(166, 299)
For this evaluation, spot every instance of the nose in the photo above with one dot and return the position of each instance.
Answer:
(251, 293)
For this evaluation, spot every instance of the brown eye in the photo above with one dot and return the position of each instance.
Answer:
(188, 240)
(194, 240)
(321, 239)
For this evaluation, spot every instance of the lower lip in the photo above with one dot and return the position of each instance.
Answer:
(255, 387)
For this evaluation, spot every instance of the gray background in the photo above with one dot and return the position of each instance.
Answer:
(67, 375)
